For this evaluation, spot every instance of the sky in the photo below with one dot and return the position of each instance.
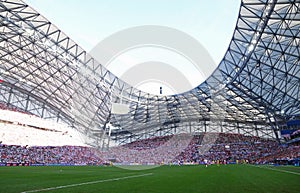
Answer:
(89, 22)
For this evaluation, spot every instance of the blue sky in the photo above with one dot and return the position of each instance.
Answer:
(90, 21)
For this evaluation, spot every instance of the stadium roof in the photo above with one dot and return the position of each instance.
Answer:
(254, 88)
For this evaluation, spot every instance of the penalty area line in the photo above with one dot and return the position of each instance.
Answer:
(278, 170)
(87, 183)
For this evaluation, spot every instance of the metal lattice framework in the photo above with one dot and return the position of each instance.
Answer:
(254, 89)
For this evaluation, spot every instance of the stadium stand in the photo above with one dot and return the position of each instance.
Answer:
(19, 128)
(228, 148)
(48, 155)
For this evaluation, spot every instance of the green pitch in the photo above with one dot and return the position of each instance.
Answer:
(164, 179)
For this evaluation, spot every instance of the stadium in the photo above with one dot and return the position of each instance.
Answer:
(73, 126)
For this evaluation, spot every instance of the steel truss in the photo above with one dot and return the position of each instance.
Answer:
(257, 82)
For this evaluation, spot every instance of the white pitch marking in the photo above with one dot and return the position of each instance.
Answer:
(87, 183)
(285, 171)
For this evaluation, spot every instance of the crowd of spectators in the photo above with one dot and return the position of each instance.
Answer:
(156, 150)
(283, 154)
(214, 147)
(75, 155)
(172, 149)
(239, 148)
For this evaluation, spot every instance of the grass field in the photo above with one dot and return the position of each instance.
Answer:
(173, 179)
